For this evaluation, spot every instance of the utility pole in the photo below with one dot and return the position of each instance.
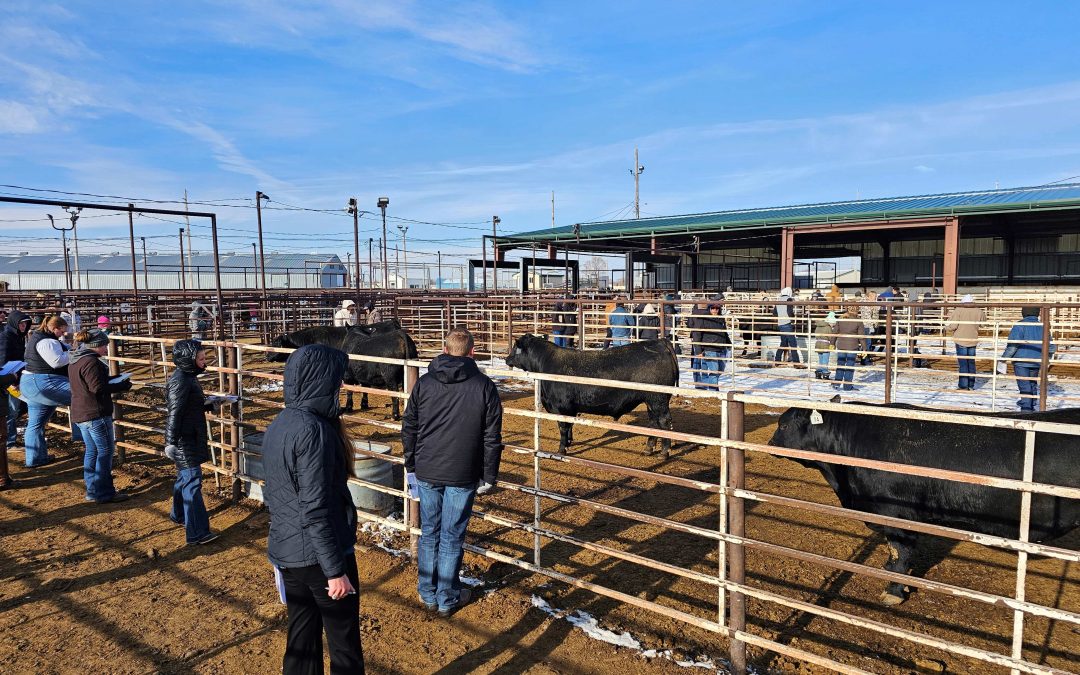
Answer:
(354, 209)
(183, 275)
(438, 283)
(382, 203)
(187, 221)
(145, 274)
(405, 250)
(370, 265)
(63, 238)
(495, 220)
(397, 265)
(552, 208)
(254, 263)
(259, 197)
(131, 240)
(637, 171)
(73, 212)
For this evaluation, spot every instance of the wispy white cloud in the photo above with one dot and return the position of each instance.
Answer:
(922, 168)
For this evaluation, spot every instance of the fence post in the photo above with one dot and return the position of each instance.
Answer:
(411, 506)
(536, 472)
(580, 325)
(232, 360)
(736, 554)
(118, 431)
(1022, 556)
(1044, 365)
(889, 348)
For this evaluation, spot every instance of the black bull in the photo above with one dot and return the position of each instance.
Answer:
(648, 362)
(385, 339)
(956, 447)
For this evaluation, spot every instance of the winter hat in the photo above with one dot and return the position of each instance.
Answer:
(96, 338)
(345, 304)
(786, 290)
(1029, 311)
(649, 309)
(968, 298)
(831, 318)
(103, 320)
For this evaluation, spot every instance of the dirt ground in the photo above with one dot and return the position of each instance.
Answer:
(113, 589)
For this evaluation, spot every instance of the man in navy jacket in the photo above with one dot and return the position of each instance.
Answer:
(452, 435)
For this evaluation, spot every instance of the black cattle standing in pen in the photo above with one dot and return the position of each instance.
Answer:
(648, 362)
(956, 447)
(384, 339)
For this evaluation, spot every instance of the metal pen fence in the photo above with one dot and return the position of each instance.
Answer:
(530, 520)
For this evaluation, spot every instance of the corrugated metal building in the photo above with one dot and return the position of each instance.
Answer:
(160, 271)
(991, 237)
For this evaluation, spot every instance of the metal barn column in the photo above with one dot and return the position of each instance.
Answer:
(787, 258)
(952, 256)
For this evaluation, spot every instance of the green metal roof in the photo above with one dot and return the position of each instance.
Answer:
(956, 203)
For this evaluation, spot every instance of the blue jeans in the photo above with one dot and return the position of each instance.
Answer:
(695, 366)
(823, 363)
(100, 440)
(845, 368)
(712, 363)
(619, 341)
(14, 409)
(1029, 388)
(42, 393)
(187, 504)
(444, 517)
(788, 343)
(869, 341)
(966, 366)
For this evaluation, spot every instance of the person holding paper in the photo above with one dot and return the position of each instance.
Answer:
(92, 410)
(186, 442)
(45, 385)
(308, 459)
(452, 436)
(12, 348)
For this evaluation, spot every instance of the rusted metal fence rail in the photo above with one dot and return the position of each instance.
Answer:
(530, 519)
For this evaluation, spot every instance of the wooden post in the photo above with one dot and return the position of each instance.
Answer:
(736, 554)
(889, 347)
(118, 431)
(1044, 364)
(412, 374)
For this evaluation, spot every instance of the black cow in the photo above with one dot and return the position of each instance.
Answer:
(649, 362)
(957, 447)
(384, 339)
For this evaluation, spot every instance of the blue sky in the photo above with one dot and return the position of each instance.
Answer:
(458, 111)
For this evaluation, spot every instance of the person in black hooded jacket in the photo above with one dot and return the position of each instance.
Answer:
(308, 460)
(186, 442)
(452, 436)
(12, 348)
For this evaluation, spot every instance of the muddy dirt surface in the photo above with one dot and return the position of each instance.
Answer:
(113, 589)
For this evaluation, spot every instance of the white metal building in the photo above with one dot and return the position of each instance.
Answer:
(163, 271)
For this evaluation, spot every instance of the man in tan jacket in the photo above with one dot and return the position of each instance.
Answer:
(963, 323)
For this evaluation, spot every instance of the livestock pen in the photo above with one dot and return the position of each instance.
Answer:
(727, 545)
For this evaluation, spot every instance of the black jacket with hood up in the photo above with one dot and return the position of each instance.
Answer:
(12, 340)
(312, 517)
(186, 406)
(452, 430)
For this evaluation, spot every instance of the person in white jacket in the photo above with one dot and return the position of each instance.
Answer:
(346, 316)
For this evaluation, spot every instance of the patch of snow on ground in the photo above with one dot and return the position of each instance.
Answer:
(266, 388)
(589, 625)
(383, 535)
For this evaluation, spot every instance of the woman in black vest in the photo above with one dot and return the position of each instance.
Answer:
(45, 385)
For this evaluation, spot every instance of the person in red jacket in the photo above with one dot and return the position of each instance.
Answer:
(452, 435)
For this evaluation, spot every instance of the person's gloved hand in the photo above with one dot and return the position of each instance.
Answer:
(124, 386)
(170, 452)
(484, 488)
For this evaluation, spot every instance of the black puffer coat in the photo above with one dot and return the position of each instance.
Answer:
(185, 419)
(452, 429)
(12, 340)
(312, 517)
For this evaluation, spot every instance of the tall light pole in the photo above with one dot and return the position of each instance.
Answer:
(637, 171)
(183, 275)
(259, 197)
(382, 204)
(370, 264)
(405, 250)
(145, 274)
(63, 238)
(495, 220)
(73, 212)
(354, 209)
